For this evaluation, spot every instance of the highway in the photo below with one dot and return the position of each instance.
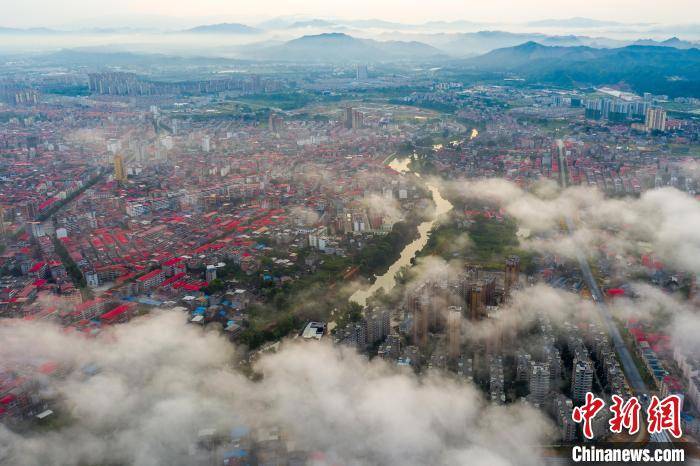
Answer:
(632, 374)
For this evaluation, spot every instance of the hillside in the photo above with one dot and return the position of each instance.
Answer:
(338, 47)
(657, 69)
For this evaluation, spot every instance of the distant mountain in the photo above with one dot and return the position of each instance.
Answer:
(573, 23)
(524, 56)
(91, 57)
(353, 23)
(281, 22)
(485, 41)
(658, 69)
(672, 42)
(223, 28)
(688, 30)
(311, 23)
(27, 31)
(296, 22)
(77, 31)
(376, 23)
(115, 30)
(338, 47)
(453, 25)
(98, 57)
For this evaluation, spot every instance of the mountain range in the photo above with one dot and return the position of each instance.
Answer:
(389, 44)
(223, 28)
(339, 47)
(657, 69)
(671, 67)
(674, 42)
(576, 22)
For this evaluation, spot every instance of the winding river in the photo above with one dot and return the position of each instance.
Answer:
(386, 280)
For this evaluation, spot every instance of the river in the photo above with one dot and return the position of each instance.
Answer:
(386, 281)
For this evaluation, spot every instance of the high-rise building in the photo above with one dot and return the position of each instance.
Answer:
(618, 111)
(275, 122)
(119, 170)
(553, 359)
(420, 314)
(206, 144)
(496, 381)
(18, 94)
(2, 221)
(655, 119)
(476, 303)
(563, 408)
(353, 119)
(256, 84)
(539, 382)
(606, 107)
(594, 109)
(512, 273)
(522, 366)
(488, 291)
(465, 368)
(581, 380)
(378, 324)
(354, 334)
(358, 119)
(454, 331)
(348, 117)
(361, 72)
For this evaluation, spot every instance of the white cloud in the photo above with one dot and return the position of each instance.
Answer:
(161, 381)
(666, 219)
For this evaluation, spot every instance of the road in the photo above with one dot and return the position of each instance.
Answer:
(632, 374)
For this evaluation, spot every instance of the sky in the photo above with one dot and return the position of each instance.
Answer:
(173, 13)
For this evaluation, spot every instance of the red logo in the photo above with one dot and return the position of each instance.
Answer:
(587, 412)
(625, 415)
(661, 415)
(665, 415)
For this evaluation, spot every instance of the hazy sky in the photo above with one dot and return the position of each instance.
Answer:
(24, 13)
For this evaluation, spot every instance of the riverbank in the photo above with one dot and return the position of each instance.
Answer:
(386, 280)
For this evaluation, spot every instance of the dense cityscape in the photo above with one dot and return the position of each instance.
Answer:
(334, 250)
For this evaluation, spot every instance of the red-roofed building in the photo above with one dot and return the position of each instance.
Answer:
(150, 280)
(194, 286)
(120, 314)
(46, 204)
(173, 279)
(90, 309)
(174, 266)
(38, 270)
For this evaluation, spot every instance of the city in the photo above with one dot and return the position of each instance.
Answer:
(317, 240)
